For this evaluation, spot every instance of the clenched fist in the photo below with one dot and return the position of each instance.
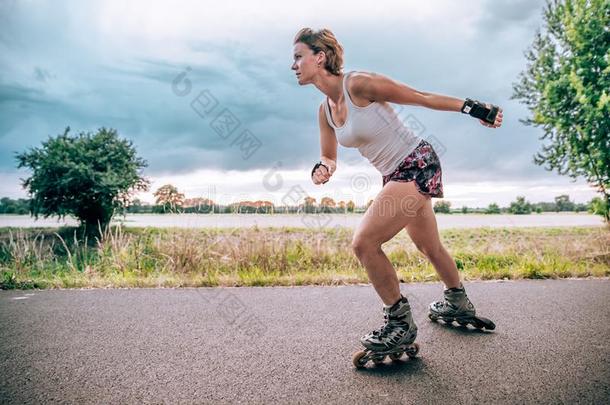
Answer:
(322, 171)
(498, 120)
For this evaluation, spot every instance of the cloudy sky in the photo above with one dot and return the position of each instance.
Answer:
(115, 64)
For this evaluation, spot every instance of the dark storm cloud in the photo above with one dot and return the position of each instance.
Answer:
(19, 94)
(54, 80)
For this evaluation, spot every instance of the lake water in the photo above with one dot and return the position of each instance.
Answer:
(445, 221)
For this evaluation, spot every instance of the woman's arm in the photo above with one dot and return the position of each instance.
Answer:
(328, 149)
(373, 86)
(376, 87)
(328, 141)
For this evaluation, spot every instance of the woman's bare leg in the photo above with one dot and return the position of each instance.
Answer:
(423, 231)
(394, 208)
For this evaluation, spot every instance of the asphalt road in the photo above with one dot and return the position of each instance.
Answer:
(294, 345)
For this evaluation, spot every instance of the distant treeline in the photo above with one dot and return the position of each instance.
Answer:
(562, 203)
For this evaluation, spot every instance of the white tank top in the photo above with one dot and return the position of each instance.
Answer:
(377, 132)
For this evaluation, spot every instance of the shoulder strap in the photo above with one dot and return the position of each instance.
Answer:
(327, 113)
(348, 99)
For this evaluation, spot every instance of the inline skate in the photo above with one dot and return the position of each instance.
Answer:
(393, 339)
(457, 307)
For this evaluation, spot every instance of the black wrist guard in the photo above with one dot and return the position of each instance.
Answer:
(318, 165)
(477, 109)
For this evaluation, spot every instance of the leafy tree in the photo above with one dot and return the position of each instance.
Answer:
(309, 205)
(327, 205)
(465, 210)
(520, 206)
(350, 206)
(566, 87)
(89, 176)
(327, 202)
(442, 207)
(137, 206)
(563, 203)
(598, 206)
(169, 198)
(547, 206)
(492, 209)
(10, 206)
(580, 207)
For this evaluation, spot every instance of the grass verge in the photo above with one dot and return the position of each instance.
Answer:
(173, 257)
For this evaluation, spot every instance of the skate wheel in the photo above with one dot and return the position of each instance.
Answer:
(463, 323)
(357, 359)
(378, 360)
(485, 323)
(433, 317)
(395, 356)
(479, 324)
(412, 352)
(448, 321)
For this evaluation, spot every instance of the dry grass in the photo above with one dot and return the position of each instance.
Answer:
(152, 257)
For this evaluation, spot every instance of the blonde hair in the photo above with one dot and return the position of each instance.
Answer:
(323, 40)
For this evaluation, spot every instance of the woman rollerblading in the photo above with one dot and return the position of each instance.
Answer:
(357, 113)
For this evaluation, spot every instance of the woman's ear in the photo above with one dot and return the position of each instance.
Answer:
(321, 58)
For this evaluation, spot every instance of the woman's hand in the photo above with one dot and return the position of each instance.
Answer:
(321, 175)
(497, 122)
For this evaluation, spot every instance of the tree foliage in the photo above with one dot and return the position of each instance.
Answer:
(89, 176)
(442, 206)
(566, 87)
(492, 208)
(169, 198)
(520, 206)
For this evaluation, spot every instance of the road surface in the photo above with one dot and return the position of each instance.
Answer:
(294, 345)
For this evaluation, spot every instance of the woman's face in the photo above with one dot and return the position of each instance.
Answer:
(305, 63)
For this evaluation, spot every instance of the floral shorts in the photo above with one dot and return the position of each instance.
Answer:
(423, 166)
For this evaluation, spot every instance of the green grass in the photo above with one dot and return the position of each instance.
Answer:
(173, 257)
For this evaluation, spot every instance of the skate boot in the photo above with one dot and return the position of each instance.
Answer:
(457, 307)
(393, 338)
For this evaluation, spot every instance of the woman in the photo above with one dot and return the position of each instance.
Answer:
(356, 113)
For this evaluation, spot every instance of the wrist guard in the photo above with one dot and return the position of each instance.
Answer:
(477, 109)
